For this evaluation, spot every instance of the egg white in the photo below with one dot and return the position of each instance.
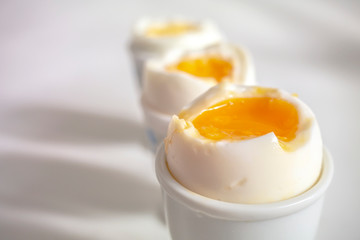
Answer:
(258, 170)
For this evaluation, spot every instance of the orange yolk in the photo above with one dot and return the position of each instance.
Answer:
(170, 29)
(206, 67)
(246, 118)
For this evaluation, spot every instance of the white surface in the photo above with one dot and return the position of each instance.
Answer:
(70, 114)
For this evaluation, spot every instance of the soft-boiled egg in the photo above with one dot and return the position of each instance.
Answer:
(245, 144)
(179, 77)
(153, 37)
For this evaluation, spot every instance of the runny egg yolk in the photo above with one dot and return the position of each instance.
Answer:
(246, 118)
(206, 67)
(170, 29)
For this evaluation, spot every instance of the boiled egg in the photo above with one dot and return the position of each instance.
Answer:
(245, 144)
(179, 77)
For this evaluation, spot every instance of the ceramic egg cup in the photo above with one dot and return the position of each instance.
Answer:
(192, 216)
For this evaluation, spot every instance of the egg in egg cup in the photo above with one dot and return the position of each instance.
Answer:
(243, 162)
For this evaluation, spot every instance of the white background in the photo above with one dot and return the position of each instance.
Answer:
(74, 162)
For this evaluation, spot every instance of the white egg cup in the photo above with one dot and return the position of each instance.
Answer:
(193, 216)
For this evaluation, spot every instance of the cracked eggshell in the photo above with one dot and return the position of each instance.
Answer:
(258, 170)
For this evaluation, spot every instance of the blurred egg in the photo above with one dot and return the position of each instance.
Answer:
(153, 37)
(179, 77)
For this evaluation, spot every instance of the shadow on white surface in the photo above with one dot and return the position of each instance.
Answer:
(57, 188)
(73, 175)
(57, 125)
(71, 187)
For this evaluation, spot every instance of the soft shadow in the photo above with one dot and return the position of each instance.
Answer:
(33, 231)
(70, 126)
(58, 185)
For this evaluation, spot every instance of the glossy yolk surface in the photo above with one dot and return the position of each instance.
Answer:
(206, 67)
(245, 118)
(170, 29)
